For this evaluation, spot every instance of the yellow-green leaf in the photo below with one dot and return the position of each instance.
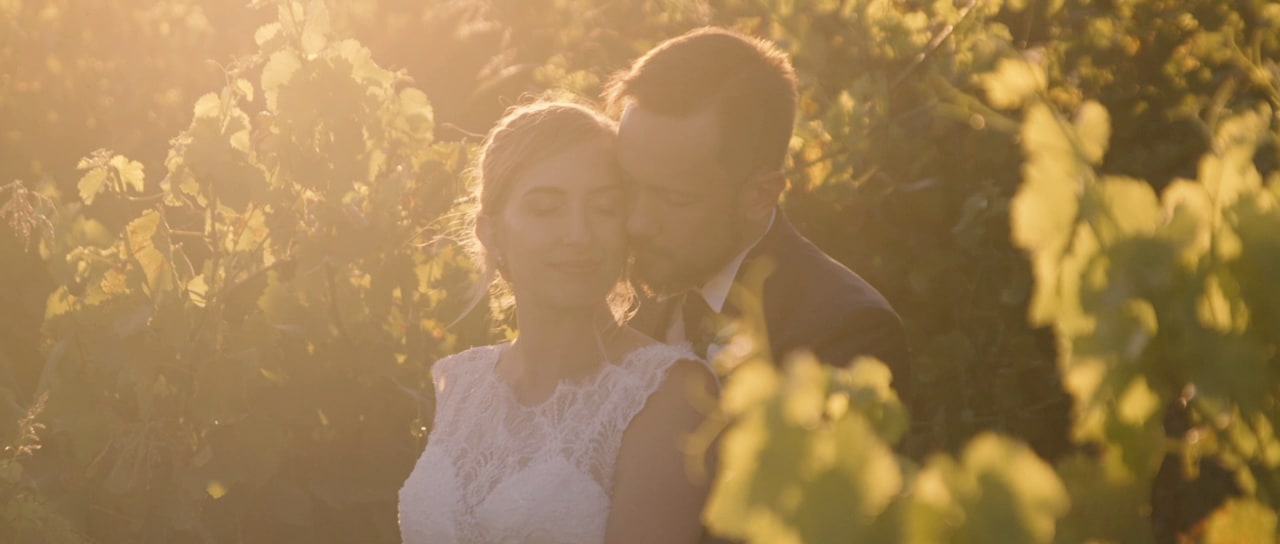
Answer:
(1214, 309)
(788, 475)
(868, 382)
(362, 65)
(91, 183)
(245, 88)
(750, 384)
(208, 105)
(1241, 521)
(1129, 205)
(1046, 204)
(315, 32)
(240, 141)
(1137, 403)
(278, 71)
(417, 111)
(130, 172)
(1188, 208)
(266, 33)
(1229, 170)
(1093, 127)
(806, 391)
(1012, 82)
(1044, 211)
(1000, 491)
(148, 240)
(1038, 496)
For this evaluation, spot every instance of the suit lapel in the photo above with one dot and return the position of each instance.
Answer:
(654, 315)
(766, 247)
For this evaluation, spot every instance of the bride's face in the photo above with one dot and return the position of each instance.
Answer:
(562, 232)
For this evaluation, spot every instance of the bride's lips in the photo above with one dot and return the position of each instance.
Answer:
(577, 266)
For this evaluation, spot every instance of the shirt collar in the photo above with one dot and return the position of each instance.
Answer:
(716, 290)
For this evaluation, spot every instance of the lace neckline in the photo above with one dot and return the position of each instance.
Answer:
(563, 386)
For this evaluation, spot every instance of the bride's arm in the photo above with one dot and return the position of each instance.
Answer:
(655, 499)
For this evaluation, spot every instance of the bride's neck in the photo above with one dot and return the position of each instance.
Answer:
(558, 345)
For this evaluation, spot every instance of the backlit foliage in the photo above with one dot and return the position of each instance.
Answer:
(224, 264)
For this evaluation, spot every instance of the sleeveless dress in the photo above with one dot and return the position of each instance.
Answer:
(495, 470)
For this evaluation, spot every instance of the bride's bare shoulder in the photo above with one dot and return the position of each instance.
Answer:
(465, 360)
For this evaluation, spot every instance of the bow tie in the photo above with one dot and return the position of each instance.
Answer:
(699, 322)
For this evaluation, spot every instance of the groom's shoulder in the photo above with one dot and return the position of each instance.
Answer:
(806, 278)
(813, 302)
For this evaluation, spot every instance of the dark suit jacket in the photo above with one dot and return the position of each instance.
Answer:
(812, 302)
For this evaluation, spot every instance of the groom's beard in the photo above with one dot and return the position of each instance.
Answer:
(653, 283)
(657, 272)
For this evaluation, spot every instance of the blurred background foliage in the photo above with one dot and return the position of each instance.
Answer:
(226, 269)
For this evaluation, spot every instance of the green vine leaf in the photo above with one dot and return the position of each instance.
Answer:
(1012, 82)
(130, 172)
(148, 240)
(998, 491)
(277, 72)
(1045, 209)
(268, 36)
(92, 183)
(1093, 125)
(1241, 521)
(315, 32)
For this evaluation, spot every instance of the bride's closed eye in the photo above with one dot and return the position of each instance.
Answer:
(542, 204)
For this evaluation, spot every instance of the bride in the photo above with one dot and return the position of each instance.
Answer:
(575, 431)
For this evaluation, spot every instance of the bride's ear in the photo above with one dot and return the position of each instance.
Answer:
(487, 233)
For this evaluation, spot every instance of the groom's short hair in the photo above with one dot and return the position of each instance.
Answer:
(748, 81)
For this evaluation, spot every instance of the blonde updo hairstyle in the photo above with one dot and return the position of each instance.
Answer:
(524, 136)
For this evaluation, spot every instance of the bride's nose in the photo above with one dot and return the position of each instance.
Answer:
(578, 230)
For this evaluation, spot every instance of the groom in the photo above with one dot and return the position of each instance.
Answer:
(705, 122)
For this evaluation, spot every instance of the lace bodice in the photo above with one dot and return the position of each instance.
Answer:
(495, 470)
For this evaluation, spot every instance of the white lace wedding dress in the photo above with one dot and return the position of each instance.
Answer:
(495, 470)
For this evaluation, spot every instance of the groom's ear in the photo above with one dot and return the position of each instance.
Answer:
(760, 194)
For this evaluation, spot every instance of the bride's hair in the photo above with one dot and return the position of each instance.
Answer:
(525, 135)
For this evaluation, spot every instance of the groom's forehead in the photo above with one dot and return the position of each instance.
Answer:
(649, 140)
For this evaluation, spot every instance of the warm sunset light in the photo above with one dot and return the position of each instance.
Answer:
(687, 271)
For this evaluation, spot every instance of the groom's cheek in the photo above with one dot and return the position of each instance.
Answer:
(643, 221)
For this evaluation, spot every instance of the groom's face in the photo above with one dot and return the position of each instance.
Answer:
(683, 219)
